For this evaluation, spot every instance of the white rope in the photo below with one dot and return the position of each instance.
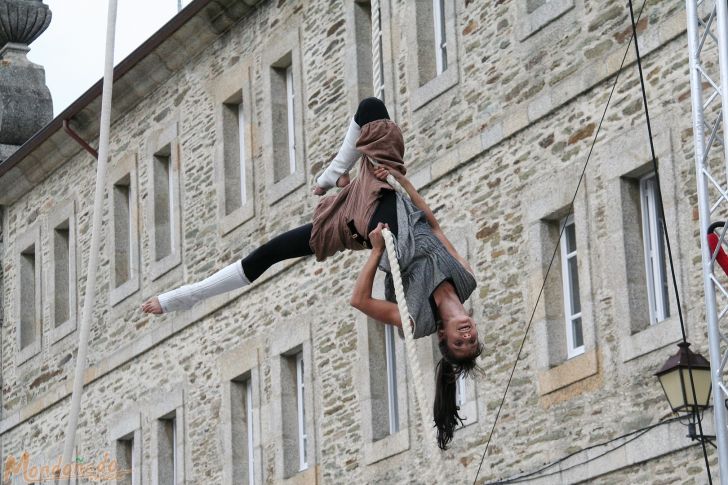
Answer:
(377, 74)
(414, 361)
(409, 342)
(88, 303)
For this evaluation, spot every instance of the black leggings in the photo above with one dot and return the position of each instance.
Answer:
(295, 243)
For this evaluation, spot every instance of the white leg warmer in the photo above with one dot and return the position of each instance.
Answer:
(227, 279)
(344, 160)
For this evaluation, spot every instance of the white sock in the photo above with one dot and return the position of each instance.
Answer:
(227, 279)
(344, 159)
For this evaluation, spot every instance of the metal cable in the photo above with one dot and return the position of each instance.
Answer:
(553, 255)
(664, 230)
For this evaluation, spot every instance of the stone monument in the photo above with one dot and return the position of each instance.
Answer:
(25, 100)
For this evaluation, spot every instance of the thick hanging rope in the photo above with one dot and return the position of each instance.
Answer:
(556, 249)
(414, 361)
(88, 304)
(409, 341)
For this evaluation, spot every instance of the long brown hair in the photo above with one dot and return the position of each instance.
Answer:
(445, 408)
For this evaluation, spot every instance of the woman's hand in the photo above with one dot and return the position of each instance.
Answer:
(381, 173)
(375, 237)
(318, 190)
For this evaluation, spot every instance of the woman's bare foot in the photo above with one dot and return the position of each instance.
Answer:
(152, 306)
(343, 181)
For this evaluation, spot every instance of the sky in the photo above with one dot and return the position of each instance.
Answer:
(72, 48)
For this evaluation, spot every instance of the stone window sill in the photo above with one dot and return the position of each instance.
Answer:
(434, 87)
(541, 17)
(571, 371)
(655, 337)
(387, 447)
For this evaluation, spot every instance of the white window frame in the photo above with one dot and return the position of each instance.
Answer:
(568, 289)
(291, 112)
(249, 423)
(438, 14)
(654, 250)
(241, 139)
(392, 392)
(300, 397)
(460, 391)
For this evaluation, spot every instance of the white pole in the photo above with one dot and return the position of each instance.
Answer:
(179, 5)
(88, 304)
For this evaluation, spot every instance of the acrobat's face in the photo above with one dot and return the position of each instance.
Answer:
(461, 335)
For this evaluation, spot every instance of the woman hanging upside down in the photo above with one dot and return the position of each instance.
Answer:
(436, 279)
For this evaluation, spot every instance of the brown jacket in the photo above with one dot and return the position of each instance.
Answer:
(379, 140)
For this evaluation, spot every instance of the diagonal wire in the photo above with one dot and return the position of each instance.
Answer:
(553, 255)
(667, 236)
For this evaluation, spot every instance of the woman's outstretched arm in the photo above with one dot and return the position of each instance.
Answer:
(361, 299)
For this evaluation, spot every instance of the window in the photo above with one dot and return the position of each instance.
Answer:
(431, 38)
(166, 414)
(438, 10)
(243, 451)
(240, 414)
(654, 250)
(29, 289)
(392, 399)
(233, 155)
(126, 446)
(284, 116)
(123, 229)
(62, 290)
(249, 434)
(570, 286)
(164, 209)
(127, 469)
(283, 130)
(167, 451)
(301, 406)
(28, 301)
(296, 422)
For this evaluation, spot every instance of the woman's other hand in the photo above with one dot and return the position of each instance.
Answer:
(375, 237)
(318, 190)
(382, 172)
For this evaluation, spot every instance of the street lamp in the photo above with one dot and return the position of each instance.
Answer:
(676, 381)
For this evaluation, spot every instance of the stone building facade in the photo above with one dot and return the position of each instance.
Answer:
(222, 119)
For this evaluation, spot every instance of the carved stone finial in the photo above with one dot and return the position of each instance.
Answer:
(22, 21)
(25, 101)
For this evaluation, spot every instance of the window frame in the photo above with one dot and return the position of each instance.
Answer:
(234, 87)
(424, 91)
(653, 237)
(31, 237)
(280, 52)
(65, 211)
(168, 406)
(164, 137)
(567, 286)
(301, 412)
(125, 167)
(126, 426)
(240, 371)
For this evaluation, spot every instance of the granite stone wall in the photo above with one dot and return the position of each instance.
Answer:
(497, 154)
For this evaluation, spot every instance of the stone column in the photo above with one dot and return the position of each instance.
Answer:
(25, 100)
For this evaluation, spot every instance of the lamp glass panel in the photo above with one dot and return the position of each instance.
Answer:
(702, 386)
(673, 389)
